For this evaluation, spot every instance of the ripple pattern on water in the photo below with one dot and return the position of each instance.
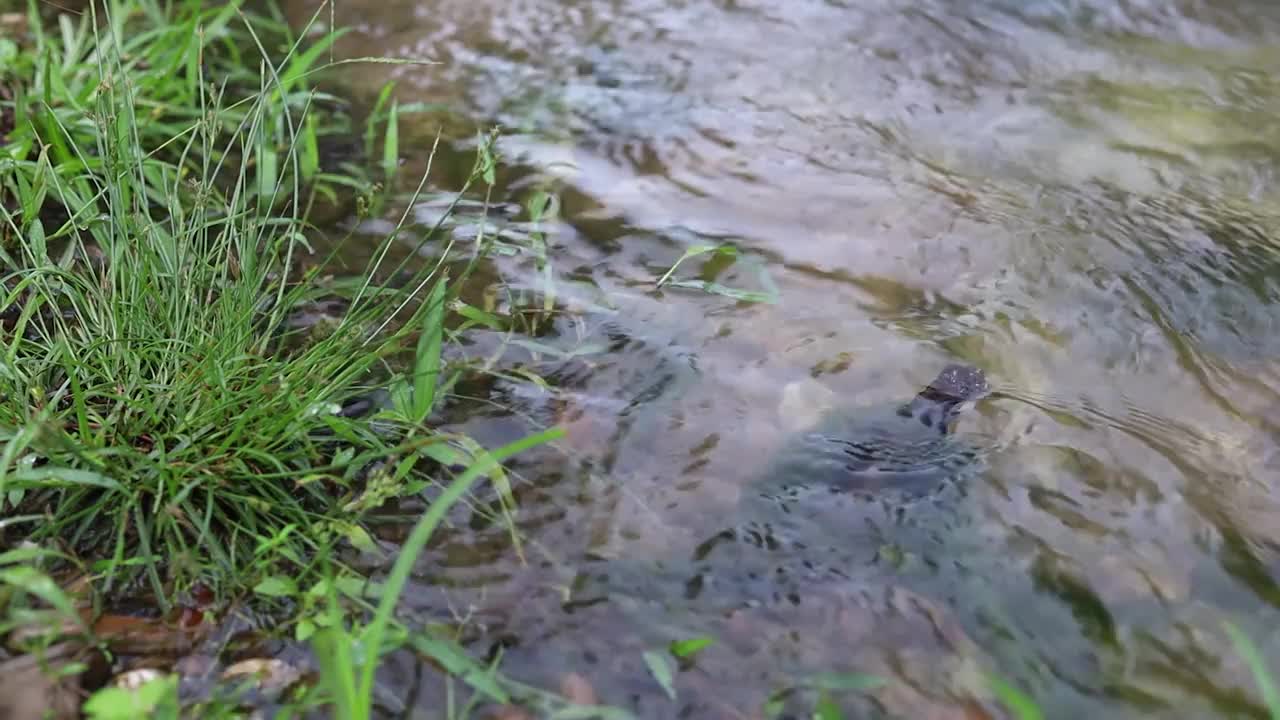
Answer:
(1079, 196)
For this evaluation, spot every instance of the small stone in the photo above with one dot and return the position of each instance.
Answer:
(271, 673)
(578, 690)
(195, 666)
(803, 403)
(134, 679)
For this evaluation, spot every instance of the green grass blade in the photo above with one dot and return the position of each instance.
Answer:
(337, 665)
(418, 538)
(30, 580)
(62, 477)
(1258, 666)
(458, 664)
(370, 129)
(853, 682)
(1022, 706)
(426, 371)
(391, 145)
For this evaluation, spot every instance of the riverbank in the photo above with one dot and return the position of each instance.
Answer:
(202, 407)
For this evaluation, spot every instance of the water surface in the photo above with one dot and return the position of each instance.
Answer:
(1078, 196)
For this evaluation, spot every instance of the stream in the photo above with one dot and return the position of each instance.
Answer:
(1078, 196)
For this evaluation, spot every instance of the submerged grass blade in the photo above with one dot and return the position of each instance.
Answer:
(417, 541)
(458, 664)
(694, 252)
(1022, 706)
(1258, 666)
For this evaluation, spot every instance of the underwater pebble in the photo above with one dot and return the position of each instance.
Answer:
(578, 690)
(803, 403)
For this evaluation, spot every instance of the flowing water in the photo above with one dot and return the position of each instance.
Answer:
(1078, 196)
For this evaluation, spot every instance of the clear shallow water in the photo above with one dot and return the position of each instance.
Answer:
(1078, 197)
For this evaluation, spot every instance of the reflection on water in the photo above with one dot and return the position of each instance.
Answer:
(1078, 196)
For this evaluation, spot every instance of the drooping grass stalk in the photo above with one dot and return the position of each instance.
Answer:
(1021, 705)
(1257, 666)
(352, 682)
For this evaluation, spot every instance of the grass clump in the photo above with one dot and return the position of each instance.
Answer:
(159, 417)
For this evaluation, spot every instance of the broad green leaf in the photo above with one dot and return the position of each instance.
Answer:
(276, 586)
(687, 648)
(358, 587)
(826, 709)
(8, 54)
(116, 703)
(446, 455)
(361, 540)
(33, 581)
(426, 370)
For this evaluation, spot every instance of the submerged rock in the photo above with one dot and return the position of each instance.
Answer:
(898, 447)
(865, 492)
(837, 495)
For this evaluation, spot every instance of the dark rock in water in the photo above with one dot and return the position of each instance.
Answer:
(835, 496)
(906, 449)
(869, 492)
